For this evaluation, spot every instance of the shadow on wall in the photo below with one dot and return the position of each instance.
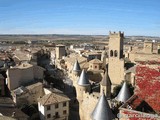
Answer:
(74, 110)
(73, 104)
(42, 117)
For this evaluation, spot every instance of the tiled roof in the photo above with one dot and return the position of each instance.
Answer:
(96, 61)
(6, 118)
(21, 55)
(6, 100)
(8, 111)
(73, 57)
(53, 98)
(38, 84)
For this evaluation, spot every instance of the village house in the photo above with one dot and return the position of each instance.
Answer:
(53, 106)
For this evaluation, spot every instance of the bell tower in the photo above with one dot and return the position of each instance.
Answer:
(116, 45)
(116, 61)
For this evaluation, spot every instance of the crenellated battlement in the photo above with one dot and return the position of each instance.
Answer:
(114, 34)
(87, 95)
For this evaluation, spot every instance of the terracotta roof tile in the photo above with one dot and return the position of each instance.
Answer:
(53, 98)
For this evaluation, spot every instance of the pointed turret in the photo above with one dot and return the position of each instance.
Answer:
(83, 80)
(76, 67)
(105, 80)
(102, 110)
(83, 85)
(124, 93)
(106, 85)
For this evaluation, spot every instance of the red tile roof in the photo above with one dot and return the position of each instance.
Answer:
(148, 86)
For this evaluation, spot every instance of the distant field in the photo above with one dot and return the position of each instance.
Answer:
(69, 39)
(50, 37)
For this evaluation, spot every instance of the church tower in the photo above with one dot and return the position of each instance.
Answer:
(116, 61)
(148, 47)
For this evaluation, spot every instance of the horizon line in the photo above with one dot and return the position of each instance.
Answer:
(1, 34)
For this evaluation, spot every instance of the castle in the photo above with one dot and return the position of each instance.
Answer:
(95, 77)
(86, 94)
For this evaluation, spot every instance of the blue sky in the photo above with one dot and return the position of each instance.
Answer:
(134, 17)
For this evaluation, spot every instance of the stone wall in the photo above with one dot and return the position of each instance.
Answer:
(88, 105)
(116, 70)
(20, 76)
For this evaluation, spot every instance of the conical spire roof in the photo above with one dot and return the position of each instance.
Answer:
(102, 110)
(76, 66)
(83, 80)
(105, 80)
(124, 93)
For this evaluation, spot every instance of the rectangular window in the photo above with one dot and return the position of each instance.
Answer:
(64, 104)
(48, 115)
(64, 112)
(48, 107)
(56, 105)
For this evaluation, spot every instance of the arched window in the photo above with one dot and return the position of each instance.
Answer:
(115, 53)
(111, 53)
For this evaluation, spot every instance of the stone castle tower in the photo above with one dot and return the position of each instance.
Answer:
(116, 61)
(105, 85)
(148, 47)
(102, 111)
(76, 69)
(60, 51)
(83, 85)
